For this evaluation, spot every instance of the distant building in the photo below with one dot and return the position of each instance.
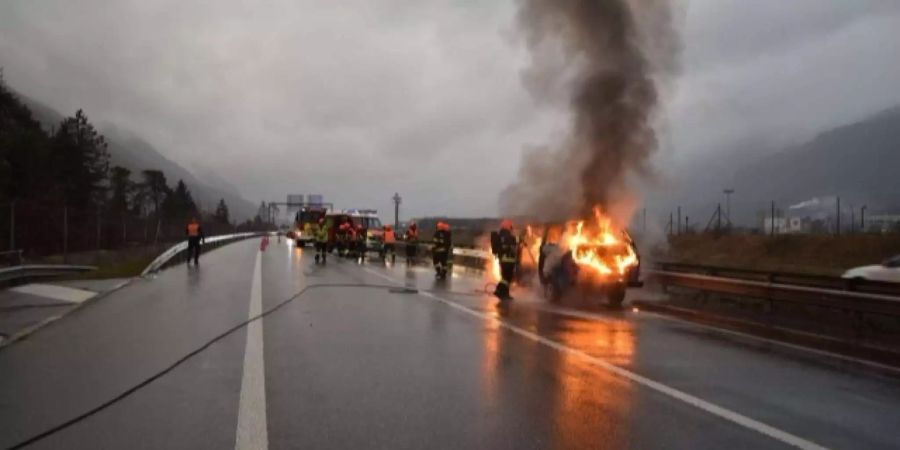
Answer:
(788, 225)
(883, 223)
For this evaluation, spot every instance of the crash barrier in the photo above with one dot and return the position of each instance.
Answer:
(16, 274)
(178, 252)
(858, 304)
(12, 257)
(471, 258)
(793, 279)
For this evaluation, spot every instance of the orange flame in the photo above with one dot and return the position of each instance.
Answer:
(602, 248)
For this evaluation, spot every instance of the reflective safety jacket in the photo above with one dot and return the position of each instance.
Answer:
(194, 230)
(508, 250)
(389, 237)
(412, 234)
(443, 241)
(320, 232)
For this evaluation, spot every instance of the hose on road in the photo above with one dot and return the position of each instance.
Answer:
(179, 361)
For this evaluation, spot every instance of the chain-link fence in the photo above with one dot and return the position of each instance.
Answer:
(831, 216)
(31, 230)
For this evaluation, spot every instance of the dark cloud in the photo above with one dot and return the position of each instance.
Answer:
(361, 98)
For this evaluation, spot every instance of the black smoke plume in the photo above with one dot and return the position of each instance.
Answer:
(606, 59)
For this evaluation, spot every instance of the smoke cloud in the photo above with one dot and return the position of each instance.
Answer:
(608, 61)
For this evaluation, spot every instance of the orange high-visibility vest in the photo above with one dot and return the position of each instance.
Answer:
(193, 229)
(389, 237)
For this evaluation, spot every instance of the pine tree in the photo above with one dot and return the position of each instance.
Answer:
(81, 161)
(121, 190)
(24, 150)
(221, 214)
(155, 189)
(263, 212)
(179, 204)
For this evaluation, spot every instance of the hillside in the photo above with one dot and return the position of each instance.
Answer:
(857, 162)
(129, 150)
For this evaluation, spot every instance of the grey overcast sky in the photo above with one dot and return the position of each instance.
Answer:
(361, 98)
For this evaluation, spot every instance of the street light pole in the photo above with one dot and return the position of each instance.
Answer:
(397, 200)
(728, 193)
(862, 218)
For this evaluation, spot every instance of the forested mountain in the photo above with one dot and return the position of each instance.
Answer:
(129, 150)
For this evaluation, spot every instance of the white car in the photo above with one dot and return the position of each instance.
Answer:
(888, 271)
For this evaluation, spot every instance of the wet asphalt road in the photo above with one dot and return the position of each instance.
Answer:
(355, 363)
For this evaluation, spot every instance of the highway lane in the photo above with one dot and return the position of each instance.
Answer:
(364, 366)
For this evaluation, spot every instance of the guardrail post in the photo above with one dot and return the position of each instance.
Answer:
(12, 226)
(98, 228)
(859, 323)
(65, 234)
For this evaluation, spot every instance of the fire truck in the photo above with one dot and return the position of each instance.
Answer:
(365, 218)
(307, 215)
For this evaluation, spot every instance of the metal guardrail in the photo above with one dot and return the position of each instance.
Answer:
(40, 270)
(176, 251)
(13, 256)
(863, 297)
(852, 301)
(794, 279)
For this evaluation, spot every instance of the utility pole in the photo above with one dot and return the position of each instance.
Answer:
(718, 217)
(687, 224)
(397, 200)
(862, 218)
(838, 227)
(728, 193)
(772, 219)
(644, 221)
(679, 220)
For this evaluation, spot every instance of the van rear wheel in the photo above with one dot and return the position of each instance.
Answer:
(616, 295)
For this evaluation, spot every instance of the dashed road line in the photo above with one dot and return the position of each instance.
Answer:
(711, 408)
(252, 428)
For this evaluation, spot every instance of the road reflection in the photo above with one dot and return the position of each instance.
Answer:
(570, 403)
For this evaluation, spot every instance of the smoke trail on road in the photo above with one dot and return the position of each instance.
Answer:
(607, 58)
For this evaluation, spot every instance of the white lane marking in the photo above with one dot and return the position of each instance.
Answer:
(62, 293)
(252, 428)
(798, 347)
(696, 402)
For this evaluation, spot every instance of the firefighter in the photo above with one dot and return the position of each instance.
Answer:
(361, 234)
(195, 235)
(412, 242)
(321, 236)
(390, 243)
(507, 250)
(443, 246)
(343, 239)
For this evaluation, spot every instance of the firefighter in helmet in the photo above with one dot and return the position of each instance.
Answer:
(361, 233)
(344, 238)
(443, 246)
(195, 235)
(390, 242)
(412, 242)
(321, 236)
(506, 249)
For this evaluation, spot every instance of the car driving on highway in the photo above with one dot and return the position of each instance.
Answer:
(888, 271)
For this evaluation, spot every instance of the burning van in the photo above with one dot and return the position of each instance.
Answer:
(588, 259)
